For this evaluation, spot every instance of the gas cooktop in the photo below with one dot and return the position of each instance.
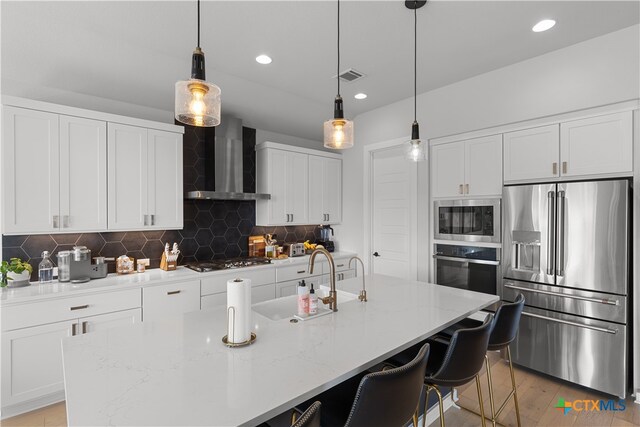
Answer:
(227, 264)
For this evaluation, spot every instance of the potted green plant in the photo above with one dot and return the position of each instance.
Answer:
(15, 270)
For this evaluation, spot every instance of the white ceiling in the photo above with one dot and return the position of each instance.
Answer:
(135, 51)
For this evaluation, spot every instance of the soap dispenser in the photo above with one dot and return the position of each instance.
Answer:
(313, 301)
(303, 299)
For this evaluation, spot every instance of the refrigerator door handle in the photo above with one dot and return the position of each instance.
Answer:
(561, 231)
(551, 232)
(567, 322)
(559, 294)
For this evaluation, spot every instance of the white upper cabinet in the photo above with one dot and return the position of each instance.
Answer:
(305, 186)
(532, 153)
(127, 150)
(325, 190)
(597, 145)
(601, 145)
(145, 178)
(30, 161)
(467, 168)
(83, 174)
(165, 191)
(447, 170)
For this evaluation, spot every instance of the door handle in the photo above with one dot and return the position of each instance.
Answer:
(570, 323)
(466, 187)
(551, 232)
(460, 189)
(560, 294)
(55, 221)
(153, 219)
(564, 167)
(173, 292)
(74, 328)
(376, 254)
(554, 168)
(561, 231)
(84, 327)
(291, 217)
(146, 222)
(79, 307)
(65, 221)
(467, 260)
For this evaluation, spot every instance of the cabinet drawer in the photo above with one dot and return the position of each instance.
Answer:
(214, 300)
(342, 264)
(285, 289)
(172, 299)
(218, 283)
(299, 271)
(39, 313)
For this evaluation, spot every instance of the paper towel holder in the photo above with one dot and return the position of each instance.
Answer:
(225, 339)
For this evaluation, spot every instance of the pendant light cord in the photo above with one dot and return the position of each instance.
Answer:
(338, 69)
(415, 62)
(198, 23)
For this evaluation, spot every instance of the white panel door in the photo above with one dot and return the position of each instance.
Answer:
(316, 172)
(532, 153)
(597, 145)
(277, 176)
(483, 166)
(263, 293)
(447, 170)
(83, 174)
(165, 191)
(31, 177)
(110, 320)
(297, 184)
(394, 196)
(332, 193)
(32, 361)
(127, 166)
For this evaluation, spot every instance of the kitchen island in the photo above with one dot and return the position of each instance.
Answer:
(178, 372)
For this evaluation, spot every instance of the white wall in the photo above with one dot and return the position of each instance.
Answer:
(596, 72)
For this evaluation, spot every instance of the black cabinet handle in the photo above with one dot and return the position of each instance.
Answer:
(173, 292)
(376, 254)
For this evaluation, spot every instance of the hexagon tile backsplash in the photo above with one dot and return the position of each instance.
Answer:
(212, 229)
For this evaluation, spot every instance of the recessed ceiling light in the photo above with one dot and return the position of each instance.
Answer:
(360, 95)
(263, 59)
(543, 25)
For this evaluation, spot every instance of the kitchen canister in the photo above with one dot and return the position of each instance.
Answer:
(238, 313)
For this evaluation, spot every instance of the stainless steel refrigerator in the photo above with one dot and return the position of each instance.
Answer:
(566, 249)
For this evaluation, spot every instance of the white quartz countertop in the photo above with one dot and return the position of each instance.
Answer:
(178, 372)
(112, 282)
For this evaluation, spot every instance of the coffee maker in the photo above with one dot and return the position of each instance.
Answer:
(75, 266)
(326, 233)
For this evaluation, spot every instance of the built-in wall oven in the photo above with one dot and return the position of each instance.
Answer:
(467, 267)
(468, 220)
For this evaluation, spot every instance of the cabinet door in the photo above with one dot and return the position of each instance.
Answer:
(297, 187)
(165, 192)
(317, 188)
(332, 192)
(172, 299)
(30, 161)
(277, 176)
(83, 174)
(532, 153)
(32, 362)
(447, 170)
(597, 145)
(127, 177)
(263, 293)
(110, 320)
(483, 166)
(285, 289)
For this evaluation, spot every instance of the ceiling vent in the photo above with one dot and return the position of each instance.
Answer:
(350, 75)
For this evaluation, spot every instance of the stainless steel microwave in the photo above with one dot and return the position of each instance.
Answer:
(468, 220)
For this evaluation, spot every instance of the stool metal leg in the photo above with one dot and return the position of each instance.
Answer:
(493, 408)
(415, 417)
(480, 400)
(426, 405)
(513, 385)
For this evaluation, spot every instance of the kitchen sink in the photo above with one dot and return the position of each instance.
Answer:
(287, 307)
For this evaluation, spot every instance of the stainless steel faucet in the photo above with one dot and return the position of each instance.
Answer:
(363, 293)
(332, 299)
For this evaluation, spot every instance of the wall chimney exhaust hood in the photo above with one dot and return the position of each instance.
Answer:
(228, 182)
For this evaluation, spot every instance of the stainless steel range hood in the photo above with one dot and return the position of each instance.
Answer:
(228, 168)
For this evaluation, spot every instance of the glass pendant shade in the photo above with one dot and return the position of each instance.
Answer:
(338, 134)
(416, 151)
(197, 103)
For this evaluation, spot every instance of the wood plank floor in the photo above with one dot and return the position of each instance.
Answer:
(538, 395)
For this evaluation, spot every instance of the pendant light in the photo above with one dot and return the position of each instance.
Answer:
(197, 102)
(416, 150)
(338, 132)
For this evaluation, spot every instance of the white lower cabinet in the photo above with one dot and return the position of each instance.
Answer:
(166, 300)
(31, 350)
(263, 293)
(285, 289)
(213, 300)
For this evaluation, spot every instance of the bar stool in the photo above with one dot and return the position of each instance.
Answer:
(386, 398)
(310, 417)
(454, 362)
(505, 328)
